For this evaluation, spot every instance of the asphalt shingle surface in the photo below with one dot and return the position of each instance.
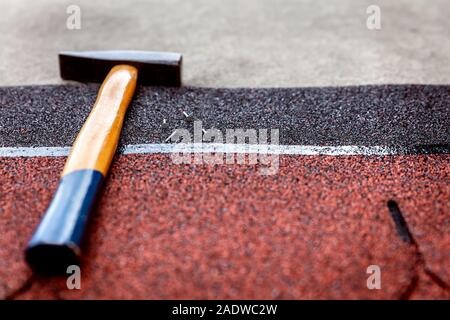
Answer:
(391, 115)
(183, 231)
(163, 230)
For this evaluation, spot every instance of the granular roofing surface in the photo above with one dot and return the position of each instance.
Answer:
(183, 231)
(392, 115)
(162, 230)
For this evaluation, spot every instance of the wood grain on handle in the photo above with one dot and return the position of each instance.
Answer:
(56, 242)
(96, 144)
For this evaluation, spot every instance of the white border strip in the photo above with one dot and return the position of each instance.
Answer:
(34, 151)
(212, 147)
(258, 149)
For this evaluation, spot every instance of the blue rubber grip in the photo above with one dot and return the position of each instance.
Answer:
(56, 242)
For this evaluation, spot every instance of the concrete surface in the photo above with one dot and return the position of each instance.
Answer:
(251, 43)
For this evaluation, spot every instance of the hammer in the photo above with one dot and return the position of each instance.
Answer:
(56, 243)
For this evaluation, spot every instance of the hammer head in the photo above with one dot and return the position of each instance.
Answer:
(154, 68)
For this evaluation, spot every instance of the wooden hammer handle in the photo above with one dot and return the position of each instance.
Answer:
(57, 240)
(97, 141)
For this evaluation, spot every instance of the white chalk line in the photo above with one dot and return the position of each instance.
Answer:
(214, 148)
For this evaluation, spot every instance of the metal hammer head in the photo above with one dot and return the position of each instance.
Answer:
(154, 68)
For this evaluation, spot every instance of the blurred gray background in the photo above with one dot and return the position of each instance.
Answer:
(235, 43)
